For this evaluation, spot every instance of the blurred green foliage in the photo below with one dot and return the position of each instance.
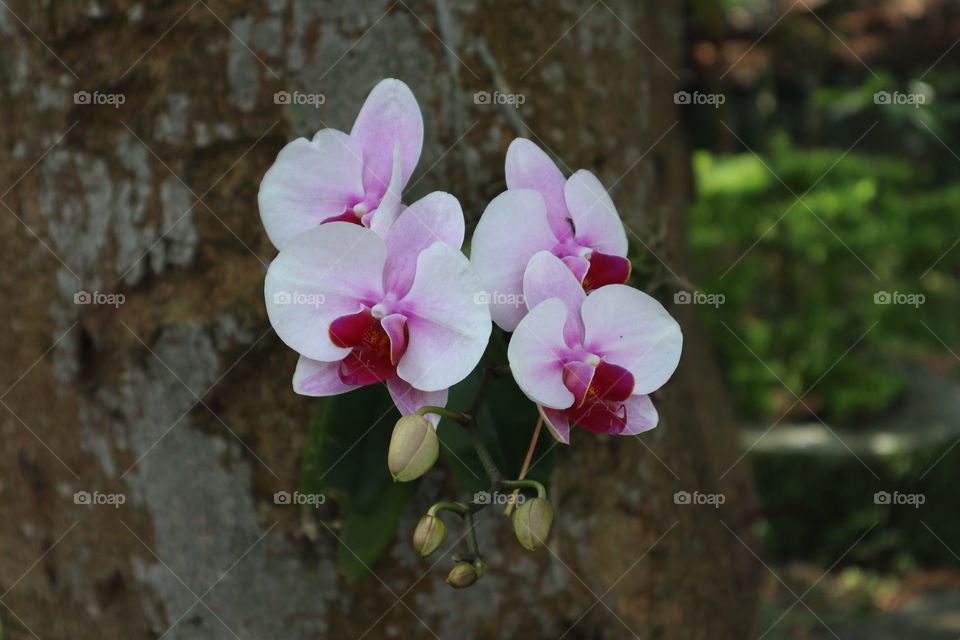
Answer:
(820, 517)
(800, 242)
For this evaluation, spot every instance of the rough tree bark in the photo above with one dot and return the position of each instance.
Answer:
(180, 397)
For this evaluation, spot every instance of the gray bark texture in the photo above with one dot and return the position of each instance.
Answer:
(180, 399)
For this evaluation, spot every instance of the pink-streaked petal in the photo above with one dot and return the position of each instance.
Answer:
(628, 328)
(529, 167)
(594, 216)
(546, 276)
(606, 269)
(395, 325)
(512, 229)
(578, 267)
(365, 366)
(437, 217)
(323, 274)
(612, 383)
(448, 324)
(315, 378)
(348, 331)
(556, 423)
(577, 377)
(641, 415)
(409, 400)
(535, 355)
(600, 417)
(382, 218)
(310, 181)
(389, 115)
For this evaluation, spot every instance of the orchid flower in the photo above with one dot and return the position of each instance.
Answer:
(591, 359)
(573, 218)
(355, 177)
(360, 309)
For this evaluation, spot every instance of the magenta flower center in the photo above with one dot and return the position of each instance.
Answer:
(376, 342)
(600, 390)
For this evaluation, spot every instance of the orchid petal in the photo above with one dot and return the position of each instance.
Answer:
(556, 422)
(529, 167)
(395, 326)
(410, 400)
(448, 326)
(315, 378)
(546, 277)
(437, 217)
(382, 218)
(606, 269)
(595, 218)
(628, 328)
(389, 115)
(535, 355)
(513, 228)
(641, 415)
(323, 274)
(310, 182)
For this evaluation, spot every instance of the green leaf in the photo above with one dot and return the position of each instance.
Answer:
(345, 458)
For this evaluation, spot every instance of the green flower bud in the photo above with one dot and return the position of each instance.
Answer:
(462, 575)
(414, 447)
(532, 521)
(429, 534)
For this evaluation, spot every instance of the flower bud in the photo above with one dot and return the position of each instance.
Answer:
(532, 521)
(414, 447)
(462, 575)
(429, 534)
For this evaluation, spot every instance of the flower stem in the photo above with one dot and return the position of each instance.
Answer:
(457, 507)
(526, 465)
(449, 414)
(531, 484)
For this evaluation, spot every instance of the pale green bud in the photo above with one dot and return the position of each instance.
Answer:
(414, 448)
(429, 535)
(532, 521)
(462, 575)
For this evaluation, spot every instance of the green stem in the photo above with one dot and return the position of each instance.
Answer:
(493, 472)
(455, 416)
(531, 484)
(472, 546)
(457, 507)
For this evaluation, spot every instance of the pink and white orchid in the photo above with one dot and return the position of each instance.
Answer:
(355, 177)
(360, 309)
(573, 218)
(591, 359)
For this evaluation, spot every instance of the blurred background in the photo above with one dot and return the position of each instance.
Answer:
(823, 241)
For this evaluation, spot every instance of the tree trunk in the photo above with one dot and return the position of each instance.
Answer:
(177, 396)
